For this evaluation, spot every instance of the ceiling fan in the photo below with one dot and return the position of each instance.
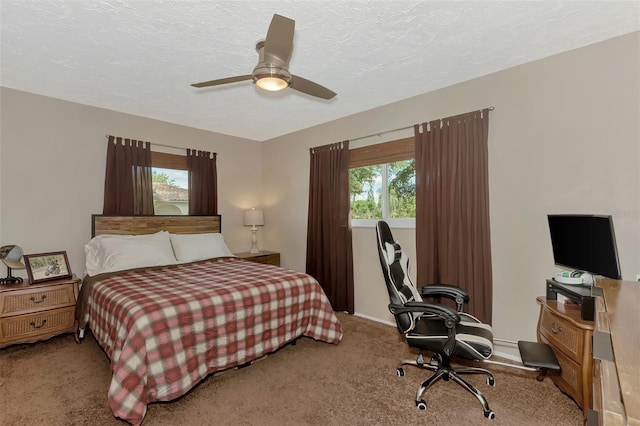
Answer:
(272, 72)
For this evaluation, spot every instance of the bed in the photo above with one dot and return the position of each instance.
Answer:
(165, 326)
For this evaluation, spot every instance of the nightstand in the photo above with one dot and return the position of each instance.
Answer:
(268, 257)
(32, 312)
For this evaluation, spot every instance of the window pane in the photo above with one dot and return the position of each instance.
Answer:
(170, 191)
(401, 181)
(365, 187)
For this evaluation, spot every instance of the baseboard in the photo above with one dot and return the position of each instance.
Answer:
(392, 324)
(508, 356)
(358, 314)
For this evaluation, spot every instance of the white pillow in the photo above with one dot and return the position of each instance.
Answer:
(93, 254)
(193, 247)
(110, 253)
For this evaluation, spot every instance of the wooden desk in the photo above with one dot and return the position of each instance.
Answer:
(616, 386)
(561, 327)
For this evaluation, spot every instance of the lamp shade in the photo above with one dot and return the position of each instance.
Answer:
(11, 255)
(253, 217)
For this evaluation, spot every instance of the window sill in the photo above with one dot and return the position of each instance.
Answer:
(393, 223)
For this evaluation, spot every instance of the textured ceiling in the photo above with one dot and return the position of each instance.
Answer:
(140, 57)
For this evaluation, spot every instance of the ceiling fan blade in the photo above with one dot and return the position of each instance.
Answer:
(279, 41)
(223, 81)
(310, 88)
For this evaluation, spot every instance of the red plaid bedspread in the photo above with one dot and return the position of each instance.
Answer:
(165, 329)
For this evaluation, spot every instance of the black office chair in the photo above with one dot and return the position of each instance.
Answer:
(433, 327)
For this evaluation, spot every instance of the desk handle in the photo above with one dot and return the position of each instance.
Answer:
(555, 329)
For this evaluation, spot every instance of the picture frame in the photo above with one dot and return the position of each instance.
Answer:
(47, 266)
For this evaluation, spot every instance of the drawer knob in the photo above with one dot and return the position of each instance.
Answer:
(555, 329)
(33, 324)
(33, 299)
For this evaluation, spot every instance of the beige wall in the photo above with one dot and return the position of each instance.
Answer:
(52, 171)
(564, 138)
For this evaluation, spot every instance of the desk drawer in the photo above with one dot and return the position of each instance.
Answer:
(562, 334)
(570, 379)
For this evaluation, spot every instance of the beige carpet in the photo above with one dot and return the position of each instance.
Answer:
(57, 382)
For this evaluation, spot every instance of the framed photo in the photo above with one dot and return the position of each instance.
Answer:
(47, 266)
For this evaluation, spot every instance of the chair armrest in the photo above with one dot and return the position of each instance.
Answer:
(450, 316)
(453, 292)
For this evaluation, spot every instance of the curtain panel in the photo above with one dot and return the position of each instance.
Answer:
(329, 246)
(127, 183)
(203, 182)
(452, 207)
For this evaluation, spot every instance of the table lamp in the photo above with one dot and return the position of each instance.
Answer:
(10, 256)
(253, 218)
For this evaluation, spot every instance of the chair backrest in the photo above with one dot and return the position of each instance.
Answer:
(395, 268)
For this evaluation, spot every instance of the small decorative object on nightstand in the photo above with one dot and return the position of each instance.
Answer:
(47, 266)
(29, 313)
(268, 257)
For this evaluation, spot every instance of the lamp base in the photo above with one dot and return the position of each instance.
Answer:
(10, 279)
(254, 241)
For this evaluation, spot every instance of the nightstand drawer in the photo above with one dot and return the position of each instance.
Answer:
(37, 299)
(562, 334)
(22, 327)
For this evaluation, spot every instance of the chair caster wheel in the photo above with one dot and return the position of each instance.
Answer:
(490, 414)
(422, 406)
(491, 381)
(400, 372)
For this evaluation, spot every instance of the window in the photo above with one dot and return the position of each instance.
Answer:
(383, 191)
(382, 184)
(170, 183)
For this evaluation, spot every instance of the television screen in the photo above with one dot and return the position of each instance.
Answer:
(585, 243)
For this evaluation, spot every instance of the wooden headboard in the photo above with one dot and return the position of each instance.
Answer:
(139, 225)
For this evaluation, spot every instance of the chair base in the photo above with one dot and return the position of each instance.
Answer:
(441, 366)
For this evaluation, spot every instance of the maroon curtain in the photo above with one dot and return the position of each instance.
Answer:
(203, 182)
(329, 248)
(127, 182)
(452, 207)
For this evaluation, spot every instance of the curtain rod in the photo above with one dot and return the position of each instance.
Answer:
(394, 130)
(158, 144)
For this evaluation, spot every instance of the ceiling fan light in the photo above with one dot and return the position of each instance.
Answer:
(272, 84)
(271, 78)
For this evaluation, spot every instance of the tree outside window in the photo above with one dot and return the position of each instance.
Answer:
(383, 191)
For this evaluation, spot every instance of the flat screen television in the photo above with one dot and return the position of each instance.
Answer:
(585, 243)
